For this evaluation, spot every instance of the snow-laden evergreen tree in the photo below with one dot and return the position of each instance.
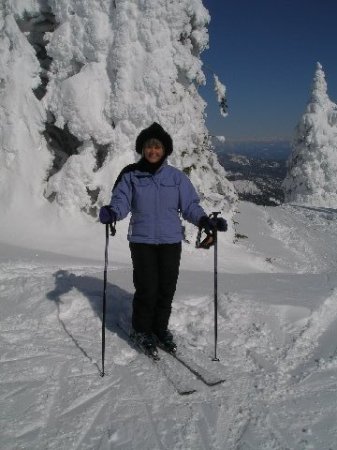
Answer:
(108, 69)
(24, 157)
(312, 167)
(117, 67)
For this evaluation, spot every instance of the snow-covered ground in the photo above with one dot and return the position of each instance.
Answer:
(277, 343)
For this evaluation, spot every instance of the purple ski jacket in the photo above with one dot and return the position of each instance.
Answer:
(156, 202)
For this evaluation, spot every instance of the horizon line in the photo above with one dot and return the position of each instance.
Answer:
(256, 139)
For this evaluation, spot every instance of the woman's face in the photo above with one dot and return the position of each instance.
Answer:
(153, 152)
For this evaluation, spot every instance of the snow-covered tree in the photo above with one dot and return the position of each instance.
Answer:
(116, 69)
(312, 167)
(24, 157)
(108, 69)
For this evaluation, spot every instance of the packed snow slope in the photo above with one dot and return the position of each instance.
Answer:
(277, 343)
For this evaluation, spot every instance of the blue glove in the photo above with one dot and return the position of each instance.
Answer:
(207, 224)
(107, 215)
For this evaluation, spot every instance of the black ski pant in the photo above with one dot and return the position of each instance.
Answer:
(155, 275)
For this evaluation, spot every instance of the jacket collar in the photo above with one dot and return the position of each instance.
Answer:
(145, 168)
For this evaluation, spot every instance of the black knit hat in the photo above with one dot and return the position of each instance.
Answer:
(155, 131)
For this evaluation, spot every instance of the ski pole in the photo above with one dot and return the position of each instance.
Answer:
(215, 237)
(212, 239)
(106, 262)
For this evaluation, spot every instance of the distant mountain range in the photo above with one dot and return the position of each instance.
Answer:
(257, 149)
(256, 168)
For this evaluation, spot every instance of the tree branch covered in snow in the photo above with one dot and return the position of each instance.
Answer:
(220, 90)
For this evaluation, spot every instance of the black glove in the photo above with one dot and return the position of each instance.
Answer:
(207, 224)
(221, 224)
(107, 215)
(210, 224)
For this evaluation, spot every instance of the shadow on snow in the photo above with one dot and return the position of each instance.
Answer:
(118, 303)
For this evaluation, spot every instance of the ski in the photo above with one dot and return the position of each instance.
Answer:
(182, 381)
(169, 367)
(209, 372)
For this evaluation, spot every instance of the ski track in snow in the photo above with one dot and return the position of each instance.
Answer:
(277, 342)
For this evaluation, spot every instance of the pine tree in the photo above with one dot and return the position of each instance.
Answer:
(115, 71)
(101, 72)
(312, 167)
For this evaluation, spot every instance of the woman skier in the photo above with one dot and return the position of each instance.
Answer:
(156, 194)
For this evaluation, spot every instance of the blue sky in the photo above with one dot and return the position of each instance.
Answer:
(265, 52)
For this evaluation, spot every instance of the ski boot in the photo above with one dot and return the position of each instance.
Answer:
(146, 342)
(165, 341)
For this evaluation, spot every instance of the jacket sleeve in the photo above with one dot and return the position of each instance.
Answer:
(121, 196)
(189, 201)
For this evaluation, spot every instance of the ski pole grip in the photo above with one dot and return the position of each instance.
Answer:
(214, 216)
(112, 229)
